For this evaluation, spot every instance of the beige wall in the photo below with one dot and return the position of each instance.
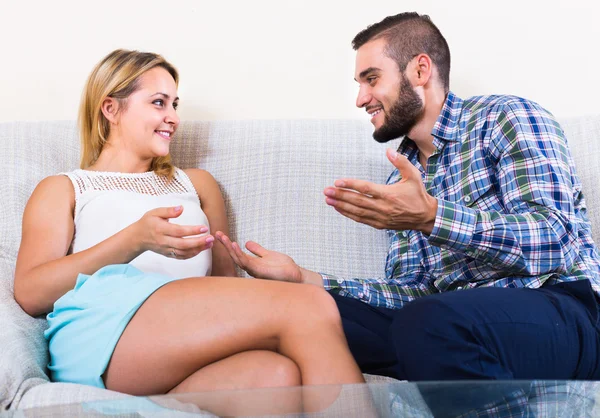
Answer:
(275, 59)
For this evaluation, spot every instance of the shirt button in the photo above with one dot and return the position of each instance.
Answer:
(467, 199)
(340, 281)
(404, 234)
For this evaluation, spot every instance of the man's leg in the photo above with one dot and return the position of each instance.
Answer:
(496, 333)
(367, 331)
(500, 333)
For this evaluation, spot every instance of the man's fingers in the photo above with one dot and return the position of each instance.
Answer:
(367, 221)
(236, 248)
(224, 239)
(256, 249)
(357, 211)
(357, 199)
(405, 167)
(241, 256)
(361, 186)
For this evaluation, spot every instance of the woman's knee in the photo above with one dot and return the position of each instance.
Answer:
(322, 305)
(275, 370)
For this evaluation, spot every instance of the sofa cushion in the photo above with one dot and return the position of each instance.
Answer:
(23, 349)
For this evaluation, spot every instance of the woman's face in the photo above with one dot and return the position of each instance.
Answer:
(147, 123)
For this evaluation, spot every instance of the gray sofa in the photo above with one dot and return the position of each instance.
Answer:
(272, 174)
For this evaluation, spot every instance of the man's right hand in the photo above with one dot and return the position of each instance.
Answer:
(266, 264)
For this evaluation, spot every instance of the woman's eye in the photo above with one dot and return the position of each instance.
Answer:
(175, 105)
(158, 102)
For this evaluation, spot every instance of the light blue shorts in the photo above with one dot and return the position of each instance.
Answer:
(88, 321)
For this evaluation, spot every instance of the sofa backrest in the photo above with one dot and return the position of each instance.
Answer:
(272, 174)
(583, 137)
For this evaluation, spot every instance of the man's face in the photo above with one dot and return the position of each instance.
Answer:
(385, 93)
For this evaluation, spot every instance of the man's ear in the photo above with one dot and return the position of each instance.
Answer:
(110, 109)
(421, 68)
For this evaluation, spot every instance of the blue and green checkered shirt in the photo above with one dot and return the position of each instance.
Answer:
(510, 208)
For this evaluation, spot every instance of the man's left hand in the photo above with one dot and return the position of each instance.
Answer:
(399, 206)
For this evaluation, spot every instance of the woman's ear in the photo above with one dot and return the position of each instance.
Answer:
(110, 109)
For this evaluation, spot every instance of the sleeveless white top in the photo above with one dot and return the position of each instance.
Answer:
(106, 203)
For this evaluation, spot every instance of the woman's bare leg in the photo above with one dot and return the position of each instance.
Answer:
(191, 323)
(247, 370)
(250, 369)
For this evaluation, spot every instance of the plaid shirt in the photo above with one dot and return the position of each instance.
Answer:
(510, 208)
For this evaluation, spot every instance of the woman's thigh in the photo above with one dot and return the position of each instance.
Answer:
(190, 323)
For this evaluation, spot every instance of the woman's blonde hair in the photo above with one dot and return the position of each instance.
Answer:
(116, 76)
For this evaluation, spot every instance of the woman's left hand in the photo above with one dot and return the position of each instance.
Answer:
(266, 264)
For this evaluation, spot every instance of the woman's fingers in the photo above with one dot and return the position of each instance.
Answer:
(184, 248)
(180, 231)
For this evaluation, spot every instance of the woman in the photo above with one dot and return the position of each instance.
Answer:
(120, 253)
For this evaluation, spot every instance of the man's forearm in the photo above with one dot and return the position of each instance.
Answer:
(311, 277)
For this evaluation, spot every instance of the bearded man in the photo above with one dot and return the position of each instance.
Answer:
(491, 271)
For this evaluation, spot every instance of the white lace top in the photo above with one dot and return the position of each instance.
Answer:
(106, 203)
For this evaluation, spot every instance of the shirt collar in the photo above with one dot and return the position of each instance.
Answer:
(447, 125)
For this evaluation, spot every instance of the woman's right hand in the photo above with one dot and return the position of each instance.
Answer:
(157, 234)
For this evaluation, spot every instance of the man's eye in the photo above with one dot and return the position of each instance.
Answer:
(371, 80)
(158, 102)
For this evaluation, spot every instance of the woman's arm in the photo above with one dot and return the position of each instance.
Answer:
(213, 206)
(44, 272)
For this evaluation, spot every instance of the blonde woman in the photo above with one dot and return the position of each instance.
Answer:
(120, 254)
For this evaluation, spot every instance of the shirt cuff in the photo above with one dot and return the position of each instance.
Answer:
(454, 226)
(331, 282)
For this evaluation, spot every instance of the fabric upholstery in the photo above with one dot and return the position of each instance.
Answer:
(272, 174)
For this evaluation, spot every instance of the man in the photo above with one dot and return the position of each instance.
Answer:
(491, 272)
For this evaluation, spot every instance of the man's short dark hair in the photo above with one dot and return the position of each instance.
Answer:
(408, 35)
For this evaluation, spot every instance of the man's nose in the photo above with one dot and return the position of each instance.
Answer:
(364, 97)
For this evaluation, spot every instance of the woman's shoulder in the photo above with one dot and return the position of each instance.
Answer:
(204, 183)
(55, 188)
(57, 182)
(198, 175)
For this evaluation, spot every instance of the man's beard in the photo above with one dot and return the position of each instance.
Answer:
(402, 116)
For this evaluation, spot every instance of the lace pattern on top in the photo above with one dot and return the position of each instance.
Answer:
(148, 183)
